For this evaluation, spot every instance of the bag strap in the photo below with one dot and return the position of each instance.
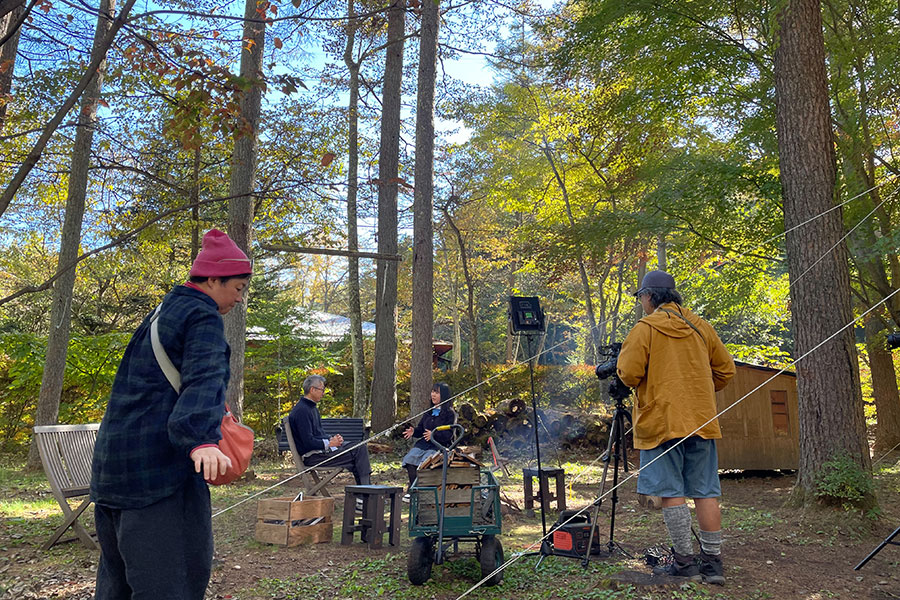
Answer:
(159, 352)
(681, 316)
(165, 363)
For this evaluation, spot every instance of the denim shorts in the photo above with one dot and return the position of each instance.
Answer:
(689, 470)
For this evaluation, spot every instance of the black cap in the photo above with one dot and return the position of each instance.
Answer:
(656, 279)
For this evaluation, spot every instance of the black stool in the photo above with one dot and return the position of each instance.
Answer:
(544, 496)
(371, 524)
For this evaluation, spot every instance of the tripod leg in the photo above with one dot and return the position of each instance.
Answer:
(619, 456)
(878, 549)
(618, 447)
(609, 450)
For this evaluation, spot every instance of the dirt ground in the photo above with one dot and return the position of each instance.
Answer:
(770, 550)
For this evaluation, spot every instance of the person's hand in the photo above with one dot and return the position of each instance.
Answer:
(427, 435)
(408, 433)
(210, 461)
(336, 441)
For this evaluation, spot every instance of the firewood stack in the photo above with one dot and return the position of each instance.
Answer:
(510, 424)
(463, 473)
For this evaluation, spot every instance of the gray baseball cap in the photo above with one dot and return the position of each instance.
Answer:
(656, 279)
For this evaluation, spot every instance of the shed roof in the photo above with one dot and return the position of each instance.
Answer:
(763, 368)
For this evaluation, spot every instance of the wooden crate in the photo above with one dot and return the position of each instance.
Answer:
(278, 521)
(455, 475)
(454, 496)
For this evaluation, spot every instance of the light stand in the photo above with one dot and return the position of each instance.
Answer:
(527, 319)
(537, 447)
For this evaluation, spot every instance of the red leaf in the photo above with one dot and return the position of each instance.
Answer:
(277, 43)
(327, 158)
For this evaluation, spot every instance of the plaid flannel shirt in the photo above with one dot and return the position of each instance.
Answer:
(142, 453)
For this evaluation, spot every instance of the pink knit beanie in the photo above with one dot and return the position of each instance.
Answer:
(220, 257)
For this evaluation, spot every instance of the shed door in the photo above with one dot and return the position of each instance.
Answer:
(781, 423)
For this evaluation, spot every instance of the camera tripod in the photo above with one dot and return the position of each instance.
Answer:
(888, 540)
(615, 453)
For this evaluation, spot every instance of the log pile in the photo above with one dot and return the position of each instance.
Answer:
(510, 424)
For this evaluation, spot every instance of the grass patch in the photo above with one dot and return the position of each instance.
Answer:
(385, 577)
(16, 482)
(748, 519)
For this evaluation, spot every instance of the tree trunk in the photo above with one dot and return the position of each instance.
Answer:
(421, 367)
(661, 252)
(831, 415)
(470, 309)
(384, 376)
(47, 411)
(195, 209)
(457, 330)
(357, 349)
(884, 388)
(240, 189)
(8, 56)
(642, 270)
(510, 338)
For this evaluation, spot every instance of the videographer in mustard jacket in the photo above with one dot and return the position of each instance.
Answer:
(676, 363)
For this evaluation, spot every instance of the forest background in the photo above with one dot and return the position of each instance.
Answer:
(605, 139)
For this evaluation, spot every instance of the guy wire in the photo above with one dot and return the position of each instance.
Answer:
(723, 411)
(385, 432)
(808, 221)
(515, 364)
(885, 454)
(836, 244)
(846, 235)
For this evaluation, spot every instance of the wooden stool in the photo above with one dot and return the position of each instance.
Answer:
(545, 496)
(371, 524)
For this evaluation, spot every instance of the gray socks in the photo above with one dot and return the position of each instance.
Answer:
(678, 522)
(711, 542)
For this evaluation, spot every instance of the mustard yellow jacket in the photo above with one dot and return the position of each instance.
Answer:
(677, 375)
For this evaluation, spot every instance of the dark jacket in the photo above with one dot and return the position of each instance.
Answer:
(142, 453)
(429, 421)
(306, 426)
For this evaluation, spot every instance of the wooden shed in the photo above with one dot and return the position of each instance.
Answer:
(762, 431)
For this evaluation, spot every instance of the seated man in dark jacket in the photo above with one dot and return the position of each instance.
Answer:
(306, 427)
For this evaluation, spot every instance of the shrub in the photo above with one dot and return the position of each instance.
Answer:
(842, 481)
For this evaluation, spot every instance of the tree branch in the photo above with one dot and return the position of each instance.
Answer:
(330, 252)
(35, 154)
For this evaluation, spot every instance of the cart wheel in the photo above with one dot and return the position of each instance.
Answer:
(491, 557)
(421, 557)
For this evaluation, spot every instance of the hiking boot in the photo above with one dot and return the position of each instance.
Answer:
(711, 568)
(681, 565)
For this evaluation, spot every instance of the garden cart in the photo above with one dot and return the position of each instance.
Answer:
(458, 503)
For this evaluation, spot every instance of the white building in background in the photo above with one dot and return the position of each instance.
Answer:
(333, 328)
(322, 326)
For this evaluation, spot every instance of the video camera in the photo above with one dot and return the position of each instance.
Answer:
(617, 389)
(893, 341)
(607, 369)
